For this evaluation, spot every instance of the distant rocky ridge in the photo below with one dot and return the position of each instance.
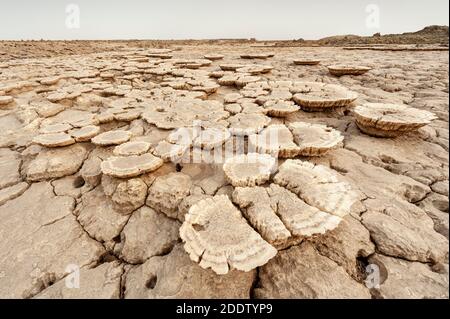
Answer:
(429, 36)
(437, 35)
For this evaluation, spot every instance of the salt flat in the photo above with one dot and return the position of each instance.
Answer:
(112, 164)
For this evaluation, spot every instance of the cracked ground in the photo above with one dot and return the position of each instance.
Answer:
(59, 211)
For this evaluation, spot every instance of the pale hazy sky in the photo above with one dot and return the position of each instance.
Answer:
(201, 19)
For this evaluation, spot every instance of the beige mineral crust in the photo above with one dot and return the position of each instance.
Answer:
(256, 55)
(218, 237)
(159, 55)
(255, 69)
(238, 79)
(55, 128)
(275, 95)
(170, 152)
(231, 66)
(228, 80)
(280, 108)
(174, 275)
(255, 205)
(167, 192)
(276, 140)
(5, 100)
(232, 97)
(315, 96)
(183, 135)
(280, 216)
(75, 118)
(306, 61)
(318, 186)
(56, 162)
(249, 169)
(192, 173)
(301, 219)
(243, 124)
(54, 139)
(213, 57)
(315, 139)
(112, 138)
(339, 70)
(130, 166)
(85, 133)
(211, 137)
(390, 120)
(183, 113)
(132, 148)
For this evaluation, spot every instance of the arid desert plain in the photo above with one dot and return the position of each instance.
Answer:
(223, 170)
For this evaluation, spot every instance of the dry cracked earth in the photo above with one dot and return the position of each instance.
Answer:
(94, 175)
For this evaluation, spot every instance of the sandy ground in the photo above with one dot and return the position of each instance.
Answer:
(61, 217)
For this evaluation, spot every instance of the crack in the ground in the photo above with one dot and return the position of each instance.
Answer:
(255, 284)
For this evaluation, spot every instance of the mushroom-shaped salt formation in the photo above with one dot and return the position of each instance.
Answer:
(170, 152)
(233, 108)
(132, 148)
(275, 140)
(160, 55)
(105, 117)
(315, 139)
(231, 66)
(207, 87)
(127, 115)
(313, 96)
(228, 80)
(390, 120)
(85, 133)
(256, 55)
(275, 95)
(306, 62)
(107, 75)
(280, 216)
(158, 51)
(54, 139)
(280, 108)
(255, 69)
(130, 166)
(51, 80)
(5, 100)
(211, 137)
(218, 74)
(218, 237)
(243, 80)
(237, 79)
(112, 138)
(232, 97)
(301, 219)
(252, 92)
(256, 207)
(213, 57)
(318, 186)
(183, 113)
(192, 63)
(339, 70)
(75, 118)
(55, 128)
(249, 169)
(247, 123)
(183, 135)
